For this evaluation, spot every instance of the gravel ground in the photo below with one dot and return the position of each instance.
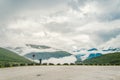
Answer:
(61, 73)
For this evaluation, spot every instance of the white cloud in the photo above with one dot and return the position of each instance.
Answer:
(69, 59)
(114, 42)
(60, 23)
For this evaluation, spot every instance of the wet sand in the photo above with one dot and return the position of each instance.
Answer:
(61, 73)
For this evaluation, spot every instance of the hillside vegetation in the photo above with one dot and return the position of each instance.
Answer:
(111, 58)
(7, 56)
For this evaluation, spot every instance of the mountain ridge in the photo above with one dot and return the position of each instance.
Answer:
(7, 56)
(49, 52)
(111, 58)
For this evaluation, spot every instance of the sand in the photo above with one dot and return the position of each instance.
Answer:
(61, 73)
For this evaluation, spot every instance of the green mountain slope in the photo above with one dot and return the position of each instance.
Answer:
(47, 55)
(7, 56)
(112, 58)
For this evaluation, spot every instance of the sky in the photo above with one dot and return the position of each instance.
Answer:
(63, 24)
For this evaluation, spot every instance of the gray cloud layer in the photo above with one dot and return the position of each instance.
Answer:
(60, 23)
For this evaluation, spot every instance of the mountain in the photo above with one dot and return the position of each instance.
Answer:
(82, 57)
(111, 58)
(93, 49)
(40, 51)
(46, 52)
(79, 57)
(83, 53)
(38, 46)
(93, 55)
(7, 56)
(30, 48)
(48, 55)
(111, 49)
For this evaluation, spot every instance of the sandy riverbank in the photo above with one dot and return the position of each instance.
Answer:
(61, 73)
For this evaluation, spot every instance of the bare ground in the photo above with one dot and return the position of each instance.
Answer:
(61, 73)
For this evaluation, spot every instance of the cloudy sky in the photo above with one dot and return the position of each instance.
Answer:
(64, 24)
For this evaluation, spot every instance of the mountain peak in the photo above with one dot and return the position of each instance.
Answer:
(93, 49)
(38, 46)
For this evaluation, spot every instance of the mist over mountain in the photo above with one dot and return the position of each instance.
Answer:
(49, 54)
(46, 53)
